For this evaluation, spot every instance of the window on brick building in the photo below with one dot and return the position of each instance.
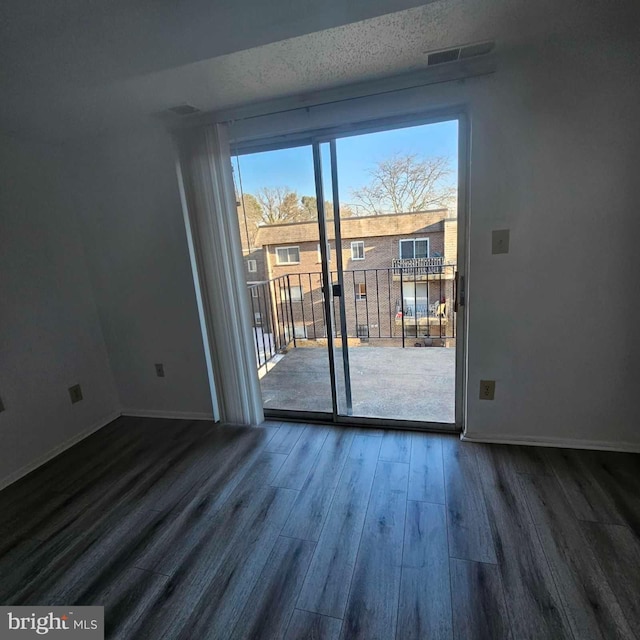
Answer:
(287, 255)
(252, 266)
(328, 253)
(361, 291)
(297, 294)
(357, 250)
(414, 248)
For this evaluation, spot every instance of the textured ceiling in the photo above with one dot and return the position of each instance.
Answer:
(380, 46)
(88, 41)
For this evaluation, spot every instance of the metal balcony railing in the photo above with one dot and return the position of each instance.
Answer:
(378, 307)
(418, 266)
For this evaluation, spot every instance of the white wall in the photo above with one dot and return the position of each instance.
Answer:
(554, 158)
(50, 336)
(131, 221)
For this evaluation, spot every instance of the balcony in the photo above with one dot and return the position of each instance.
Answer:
(386, 382)
(393, 328)
(430, 317)
(422, 269)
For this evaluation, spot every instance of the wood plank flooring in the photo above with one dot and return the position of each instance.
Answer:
(185, 530)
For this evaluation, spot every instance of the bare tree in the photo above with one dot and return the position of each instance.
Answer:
(405, 183)
(310, 209)
(249, 218)
(290, 207)
(279, 204)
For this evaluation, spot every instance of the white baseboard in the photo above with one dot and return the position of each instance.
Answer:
(57, 450)
(562, 443)
(174, 415)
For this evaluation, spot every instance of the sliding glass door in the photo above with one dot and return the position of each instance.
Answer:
(357, 291)
(278, 220)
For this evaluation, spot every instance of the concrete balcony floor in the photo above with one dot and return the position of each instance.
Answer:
(387, 382)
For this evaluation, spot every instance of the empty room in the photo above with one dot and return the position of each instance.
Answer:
(318, 320)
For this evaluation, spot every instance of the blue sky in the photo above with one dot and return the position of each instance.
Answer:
(294, 167)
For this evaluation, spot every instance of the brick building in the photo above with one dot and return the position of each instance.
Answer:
(398, 275)
(252, 255)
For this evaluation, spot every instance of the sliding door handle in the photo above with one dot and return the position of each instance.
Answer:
(458, 292)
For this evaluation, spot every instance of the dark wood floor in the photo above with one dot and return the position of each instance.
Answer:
(187, 530)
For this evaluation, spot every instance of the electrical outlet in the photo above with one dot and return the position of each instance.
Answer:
(500, 241)
(75, 393)
(160, 370)
(487, 389)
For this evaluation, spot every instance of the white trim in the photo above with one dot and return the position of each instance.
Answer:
(171, 415)
(357, 242)
(287, 246)
(57, 450)
(563, 443)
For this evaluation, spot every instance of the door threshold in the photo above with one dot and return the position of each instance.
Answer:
(319, 417)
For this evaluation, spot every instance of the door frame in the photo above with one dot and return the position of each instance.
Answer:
(329, 135)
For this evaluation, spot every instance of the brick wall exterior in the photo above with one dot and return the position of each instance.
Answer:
(375, 316)
(260, 275)
(450, 251)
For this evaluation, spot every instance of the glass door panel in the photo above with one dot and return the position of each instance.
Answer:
(278, 222)
(395, 201)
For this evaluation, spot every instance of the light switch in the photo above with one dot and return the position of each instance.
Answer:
(500, 241)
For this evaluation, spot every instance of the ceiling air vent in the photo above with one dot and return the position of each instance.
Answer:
(440, 57)
(459, 53)
(183, 110)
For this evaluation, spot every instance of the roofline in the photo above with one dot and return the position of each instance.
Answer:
(382, 215)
